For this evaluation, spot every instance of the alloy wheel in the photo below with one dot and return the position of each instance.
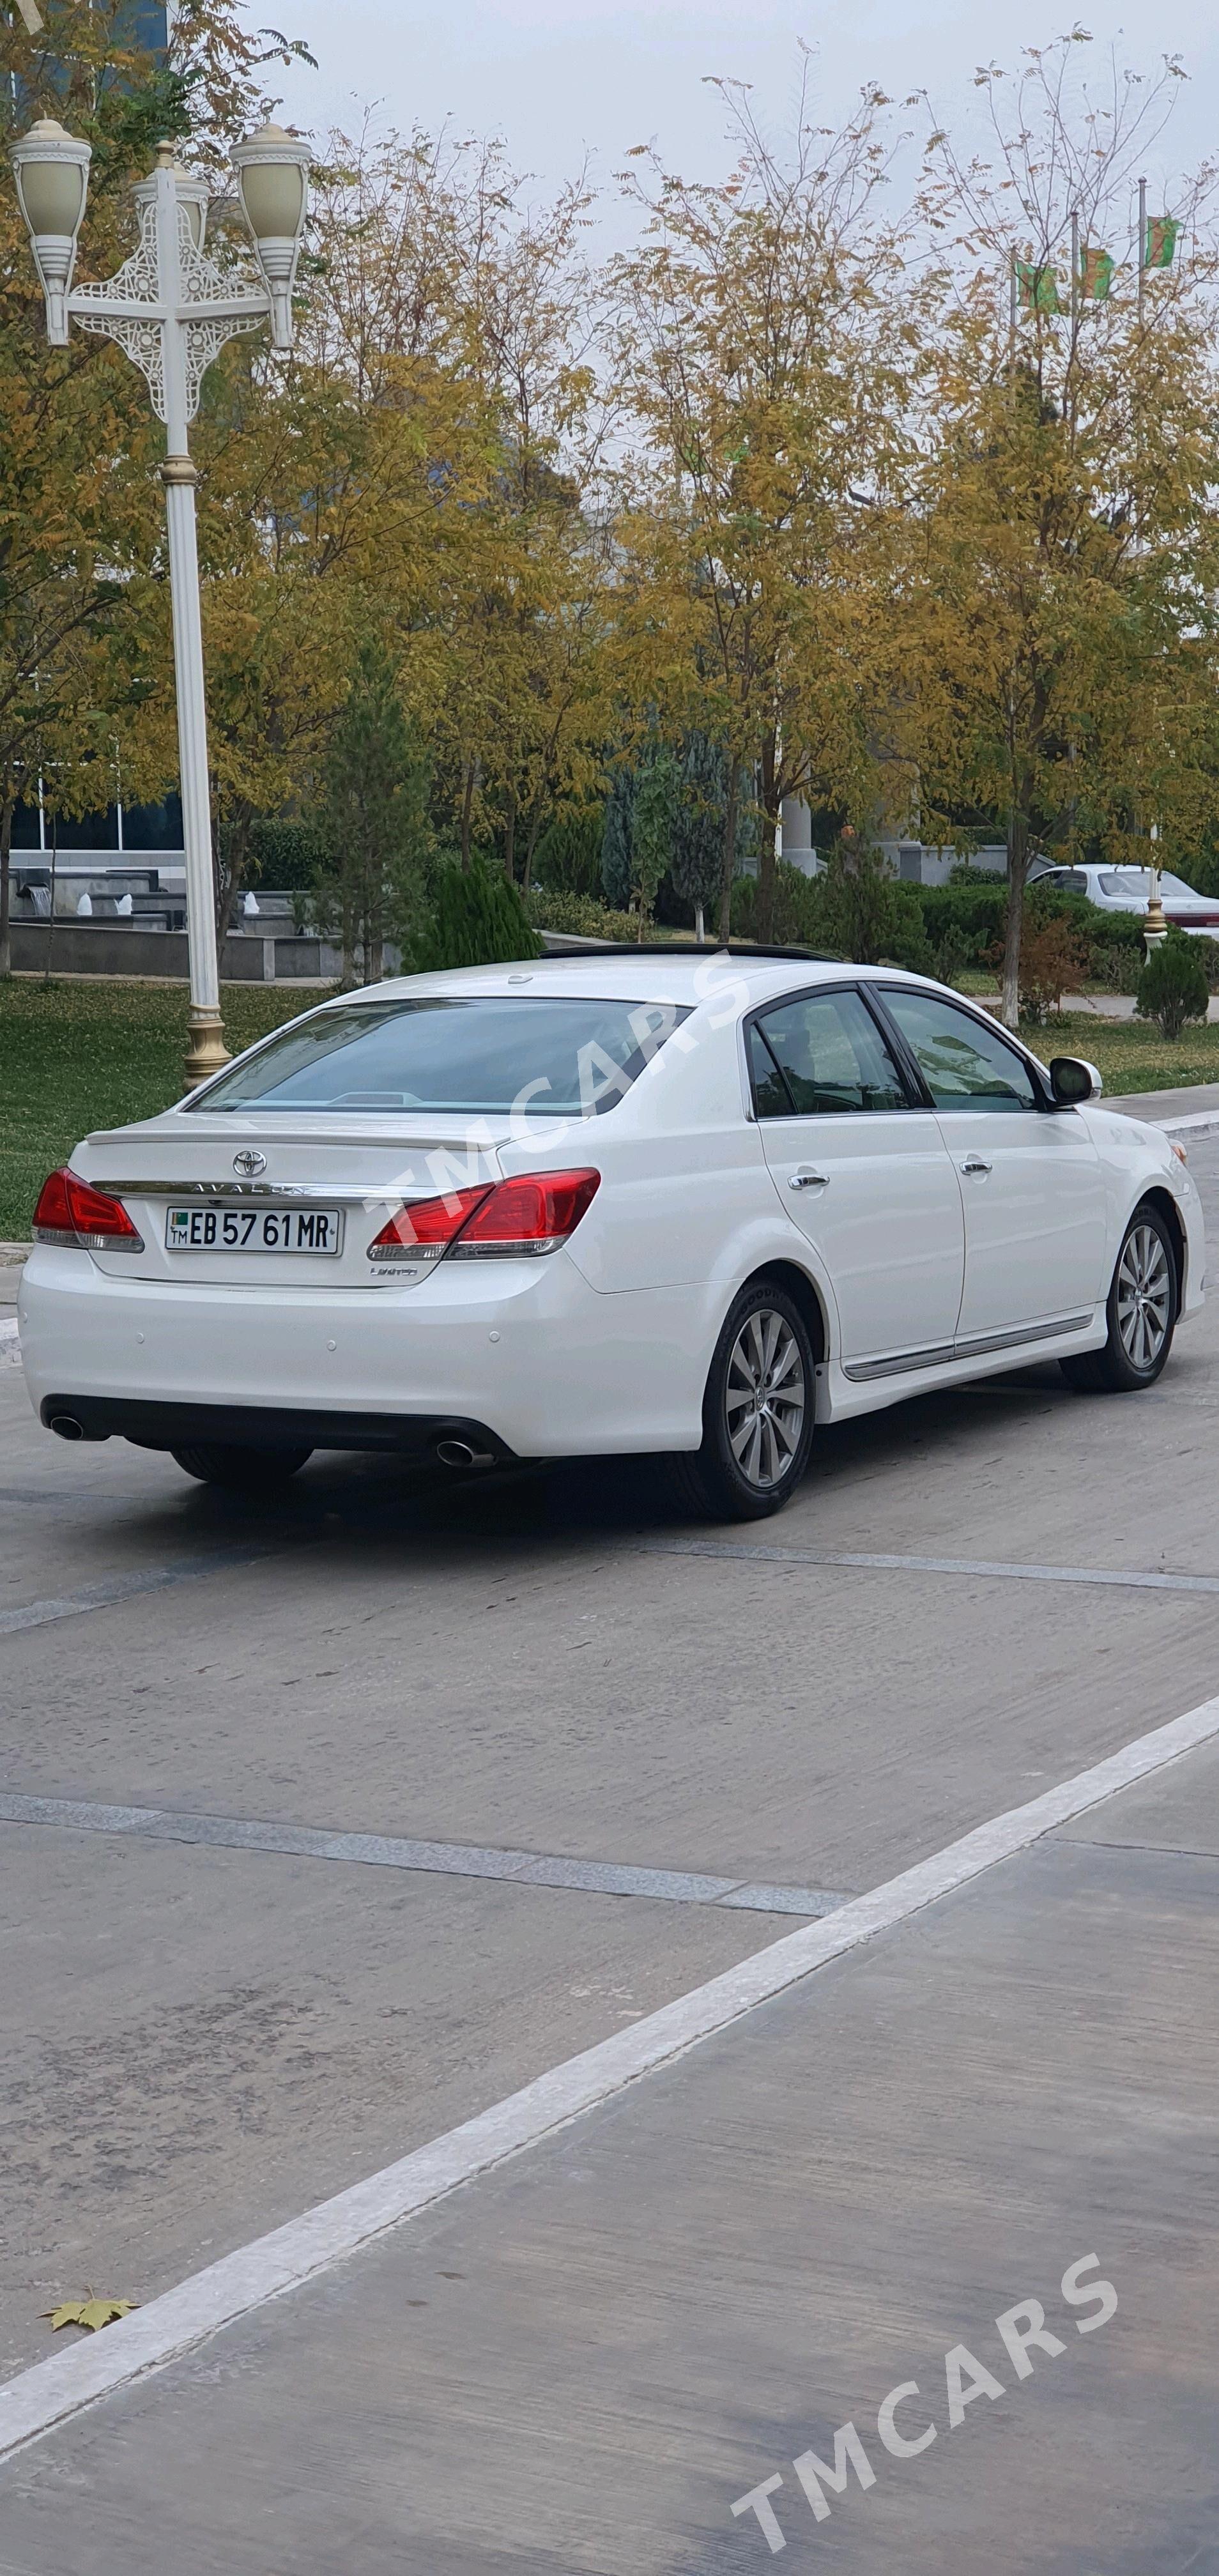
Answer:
(1144, 1297)
(764, 1397)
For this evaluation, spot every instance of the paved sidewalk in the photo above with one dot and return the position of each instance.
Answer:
(1163, 1108)
(576, 2366)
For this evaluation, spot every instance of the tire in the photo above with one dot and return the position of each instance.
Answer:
(240, 1471)
(1142, 1313)
(753, 1452)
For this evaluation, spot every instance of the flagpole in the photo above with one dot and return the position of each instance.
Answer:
(1142, 239)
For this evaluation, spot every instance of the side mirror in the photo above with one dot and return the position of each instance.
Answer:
(1072, 1080)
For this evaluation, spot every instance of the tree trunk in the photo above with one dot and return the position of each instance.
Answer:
(46, 963)
(230, 861)
(728, 865)
(6, 845)
(349, 979)
(770, 822)
(1017, 869)
(700, 932)
(510, 837)
(535, 834)
(467, 803)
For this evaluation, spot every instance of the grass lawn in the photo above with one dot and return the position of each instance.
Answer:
(78, 1055)
(1131, 1054)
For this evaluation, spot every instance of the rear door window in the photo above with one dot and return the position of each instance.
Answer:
(821, 1055)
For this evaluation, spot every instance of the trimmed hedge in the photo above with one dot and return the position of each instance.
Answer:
(285, 856)
(580, 915)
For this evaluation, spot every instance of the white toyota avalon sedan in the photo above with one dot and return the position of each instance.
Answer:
(646, 1201)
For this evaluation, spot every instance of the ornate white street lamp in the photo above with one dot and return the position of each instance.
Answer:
(172, 310)
(1155, 927)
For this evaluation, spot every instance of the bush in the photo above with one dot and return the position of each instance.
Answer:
(567, 859)
(1173, 987)
(477, 919)
(905, 932)
(970, 913)
(579, 915)
(1053, 960)
(954, 957)
(799, 908)
(285, 856)
(1111, 966)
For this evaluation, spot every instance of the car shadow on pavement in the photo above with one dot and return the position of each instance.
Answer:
(342, 1495)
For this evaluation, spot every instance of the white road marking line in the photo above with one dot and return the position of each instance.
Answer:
(53, 2390)
(384, 1851)
(125, 1587)
(1122, 1579)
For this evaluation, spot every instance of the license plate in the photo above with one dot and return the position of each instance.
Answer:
(247, 1229)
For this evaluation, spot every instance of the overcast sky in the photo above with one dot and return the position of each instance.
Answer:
(557, 77)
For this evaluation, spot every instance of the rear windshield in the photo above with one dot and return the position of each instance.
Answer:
(539, 1056)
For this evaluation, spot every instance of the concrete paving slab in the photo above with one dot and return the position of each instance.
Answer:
(196, 2044)
(578, 2365)
(1160, 1107)
(1176, 1812)
(767, 1721)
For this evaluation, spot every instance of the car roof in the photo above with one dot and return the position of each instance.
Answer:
(686, 977)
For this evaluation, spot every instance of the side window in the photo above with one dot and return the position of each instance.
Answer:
(821, 1054)
(771, 1097)
(964, 1064)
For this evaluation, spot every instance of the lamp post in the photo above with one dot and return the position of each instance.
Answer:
(1155, 928)
(172, 310)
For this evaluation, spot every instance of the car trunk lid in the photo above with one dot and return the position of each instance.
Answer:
(271, 1176)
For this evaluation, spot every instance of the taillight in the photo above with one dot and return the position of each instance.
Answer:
(425, 1231)
(70, 1212)
(524, 1217)
(534, 1214)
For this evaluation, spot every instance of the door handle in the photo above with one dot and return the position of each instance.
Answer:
(974, 1163)
(806, 1179)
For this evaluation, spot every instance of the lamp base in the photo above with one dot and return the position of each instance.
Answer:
(1155, 928)
(206, 1051)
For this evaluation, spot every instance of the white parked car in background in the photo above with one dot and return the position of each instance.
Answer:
(1129, 890)
(644, 1201)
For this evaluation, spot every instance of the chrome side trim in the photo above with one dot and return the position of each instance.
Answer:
(973, 1348)
(981, 1342)
(906, 1360)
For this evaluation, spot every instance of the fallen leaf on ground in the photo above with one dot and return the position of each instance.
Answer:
(91, 2313)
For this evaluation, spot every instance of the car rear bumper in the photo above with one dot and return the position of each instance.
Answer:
(526, 1353)
(260, 1426)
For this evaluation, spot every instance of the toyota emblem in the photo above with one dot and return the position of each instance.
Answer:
(249, 1162)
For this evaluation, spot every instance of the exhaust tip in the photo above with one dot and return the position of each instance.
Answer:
(461, 1453)
(66, 1427)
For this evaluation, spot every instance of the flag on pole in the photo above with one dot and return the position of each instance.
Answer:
(1095, 274)
(1038, 288)
(1160, 241)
